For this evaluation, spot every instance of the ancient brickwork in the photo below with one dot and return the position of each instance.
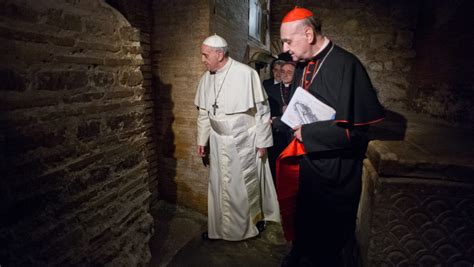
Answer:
(230, 19)
(74, 181)
(138, 14)
(179, 29)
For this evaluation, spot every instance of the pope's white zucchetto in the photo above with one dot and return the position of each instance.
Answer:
(215, 41)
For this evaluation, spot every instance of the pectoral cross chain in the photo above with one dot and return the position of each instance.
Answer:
(215, 106)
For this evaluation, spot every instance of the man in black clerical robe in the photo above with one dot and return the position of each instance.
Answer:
(330, 170)
(276, 74)
(278, 99)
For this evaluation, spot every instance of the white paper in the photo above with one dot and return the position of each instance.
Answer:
(304, 108)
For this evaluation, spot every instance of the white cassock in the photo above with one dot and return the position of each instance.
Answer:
(241, 190)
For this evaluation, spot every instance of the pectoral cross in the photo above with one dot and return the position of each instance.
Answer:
(215, 106)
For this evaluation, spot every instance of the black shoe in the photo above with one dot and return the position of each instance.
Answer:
(261, 225)
(205, 236)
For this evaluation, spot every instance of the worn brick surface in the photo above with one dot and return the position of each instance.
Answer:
(74, 187)
(177, 70)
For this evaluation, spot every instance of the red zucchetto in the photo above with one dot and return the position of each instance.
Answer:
(297, 13)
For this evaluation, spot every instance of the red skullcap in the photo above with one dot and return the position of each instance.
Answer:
(297, 13)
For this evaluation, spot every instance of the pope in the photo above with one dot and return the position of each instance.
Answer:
(234, 120)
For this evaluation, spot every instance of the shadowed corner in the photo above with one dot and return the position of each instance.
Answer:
(166, 188)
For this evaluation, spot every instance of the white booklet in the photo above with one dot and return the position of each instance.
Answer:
(304, 108)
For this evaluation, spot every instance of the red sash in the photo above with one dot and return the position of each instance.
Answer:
(287, 176)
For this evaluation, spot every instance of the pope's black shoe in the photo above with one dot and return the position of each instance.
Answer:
(261, 225)
(205, 236)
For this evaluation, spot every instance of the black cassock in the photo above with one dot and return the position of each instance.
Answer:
(331, 170)
(280, 131)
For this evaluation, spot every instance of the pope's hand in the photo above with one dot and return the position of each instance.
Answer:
(261, 152)
(201, 151)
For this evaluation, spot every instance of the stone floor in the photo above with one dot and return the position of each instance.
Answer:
(177, 242)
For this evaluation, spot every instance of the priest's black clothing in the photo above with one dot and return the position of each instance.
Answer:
(269, 82)
(331, 170)
(277, 99)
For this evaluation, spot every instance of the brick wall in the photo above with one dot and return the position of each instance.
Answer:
(138, 14)
(230, 19)
(379, 33)
(179, 29)
(74, 181)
